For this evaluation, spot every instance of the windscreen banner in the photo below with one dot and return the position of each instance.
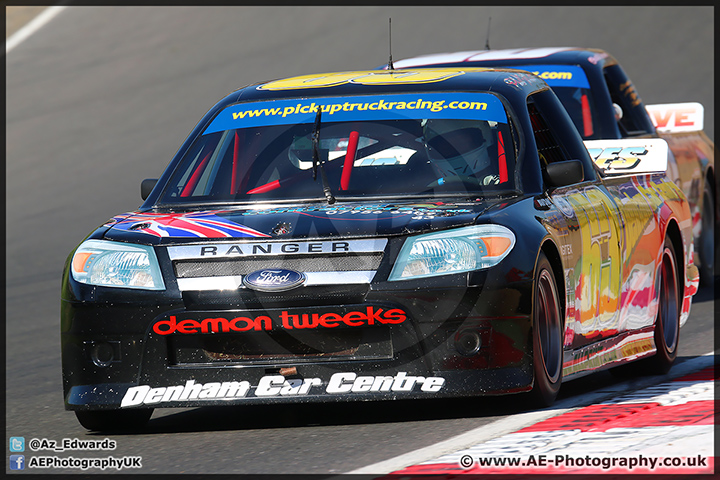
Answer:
(453, 105)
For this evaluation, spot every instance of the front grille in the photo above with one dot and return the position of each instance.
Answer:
(279, 347)
(250, 299)
(299, 263)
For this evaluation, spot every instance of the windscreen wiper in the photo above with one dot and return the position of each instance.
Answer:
(316, 159)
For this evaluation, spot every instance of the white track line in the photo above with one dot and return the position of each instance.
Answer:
(515, 422)
(33, 26)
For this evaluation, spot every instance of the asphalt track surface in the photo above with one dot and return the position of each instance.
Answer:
(101, 98)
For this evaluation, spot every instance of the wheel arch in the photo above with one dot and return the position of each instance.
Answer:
(672, 231)
(548, 329)
(710, 180)
(553, 255)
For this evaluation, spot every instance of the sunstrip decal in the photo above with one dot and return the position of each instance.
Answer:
(510, 54)
(478, 55)
(558, 75)
(197, 224)
(479, 106)
(434, 59)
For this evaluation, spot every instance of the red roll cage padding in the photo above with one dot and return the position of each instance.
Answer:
(235, 165)
(265, 188)
(195, 178)
(349, 160)
(502, 162)
(240, 168)
(586, 116)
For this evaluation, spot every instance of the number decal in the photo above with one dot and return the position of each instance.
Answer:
(623, 156)
(362, 78)
(618, 158)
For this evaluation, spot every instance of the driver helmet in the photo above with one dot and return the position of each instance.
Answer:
(618, 112)
(458, 147)
(300, 152)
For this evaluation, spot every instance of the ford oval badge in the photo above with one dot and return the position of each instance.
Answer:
(274, 280)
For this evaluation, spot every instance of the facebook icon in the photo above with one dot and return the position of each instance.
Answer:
(17, 462)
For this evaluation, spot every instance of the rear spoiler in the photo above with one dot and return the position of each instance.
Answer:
(677, 117)
(629, 156)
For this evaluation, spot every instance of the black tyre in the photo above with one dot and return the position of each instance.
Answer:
(547, 336)
(114, 420)
(706, 243)
(667, 323)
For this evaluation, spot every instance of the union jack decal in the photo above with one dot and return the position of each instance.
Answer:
(206, 224)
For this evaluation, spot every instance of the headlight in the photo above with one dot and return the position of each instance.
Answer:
(113, 264)
(454, 251)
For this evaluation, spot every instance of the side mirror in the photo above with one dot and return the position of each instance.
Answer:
(560, 174)
(146, 187)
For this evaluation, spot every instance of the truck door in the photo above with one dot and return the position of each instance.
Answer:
(591, 249)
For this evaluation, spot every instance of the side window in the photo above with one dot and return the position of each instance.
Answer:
(200, 164)
(556, 136)
(549, 150)
(580, 105)
(634, 120)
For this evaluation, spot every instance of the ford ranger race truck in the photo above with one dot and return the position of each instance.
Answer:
(376, 235)
(604, 104)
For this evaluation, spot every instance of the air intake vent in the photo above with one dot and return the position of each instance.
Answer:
(304, 263)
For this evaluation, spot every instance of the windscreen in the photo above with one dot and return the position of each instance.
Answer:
(367, 146)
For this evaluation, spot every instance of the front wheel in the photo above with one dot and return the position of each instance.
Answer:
(113, 420)
(547, 336)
